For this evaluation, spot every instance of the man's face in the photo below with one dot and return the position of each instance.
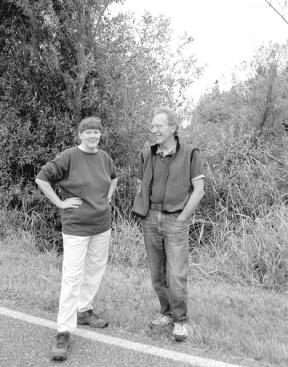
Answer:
(160, 128)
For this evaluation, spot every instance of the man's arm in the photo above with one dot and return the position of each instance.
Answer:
(194, 200)
(112, 188)
(54, 198)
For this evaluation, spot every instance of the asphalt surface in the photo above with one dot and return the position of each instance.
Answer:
(25, 345)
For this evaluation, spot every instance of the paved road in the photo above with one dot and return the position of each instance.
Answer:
(25, 345)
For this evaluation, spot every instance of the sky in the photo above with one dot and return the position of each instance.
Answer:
(226, 32)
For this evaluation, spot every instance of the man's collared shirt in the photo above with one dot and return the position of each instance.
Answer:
(161, 172)
(163, 155)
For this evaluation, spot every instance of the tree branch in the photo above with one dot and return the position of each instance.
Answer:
(281, 15)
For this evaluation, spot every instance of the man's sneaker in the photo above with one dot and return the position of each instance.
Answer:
(180, 331)
(60, 348)
(161, 321)
(92, 319)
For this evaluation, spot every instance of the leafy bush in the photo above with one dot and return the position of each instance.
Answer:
(54, 71)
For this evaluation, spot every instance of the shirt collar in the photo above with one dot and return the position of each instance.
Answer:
(171, 152)
(154, 148)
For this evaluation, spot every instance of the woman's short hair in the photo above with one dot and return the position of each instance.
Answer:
(90, 123)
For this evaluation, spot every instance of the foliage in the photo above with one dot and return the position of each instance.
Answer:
(243, 140)
(259, 104)
(57, 65)
(244, 145)
(54, 70)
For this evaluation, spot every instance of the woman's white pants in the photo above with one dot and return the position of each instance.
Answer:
(84, 264)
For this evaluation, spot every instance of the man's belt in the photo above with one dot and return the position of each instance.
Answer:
(156, 207)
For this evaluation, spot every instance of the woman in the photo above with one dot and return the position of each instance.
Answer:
(86, 176)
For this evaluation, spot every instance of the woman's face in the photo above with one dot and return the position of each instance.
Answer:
(90, 139)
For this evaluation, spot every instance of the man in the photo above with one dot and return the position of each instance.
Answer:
(170, 189)
(86, 175)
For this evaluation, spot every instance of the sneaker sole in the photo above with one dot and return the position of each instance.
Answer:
(159, 326)
(180, 338)
(62, 357)
(59, 358)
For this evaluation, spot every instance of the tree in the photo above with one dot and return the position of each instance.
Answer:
(279, 8)
(258, 104)
(267, 88)
(241, 135)
(61, 61)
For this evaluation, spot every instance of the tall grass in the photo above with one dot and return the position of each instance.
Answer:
(127, 245)
(255, 253)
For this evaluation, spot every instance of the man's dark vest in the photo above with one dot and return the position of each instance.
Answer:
(178, 188)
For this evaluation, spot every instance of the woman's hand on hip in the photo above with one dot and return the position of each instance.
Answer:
(71, 203)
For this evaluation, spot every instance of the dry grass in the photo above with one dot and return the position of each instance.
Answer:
(127, 246)
(255, 253)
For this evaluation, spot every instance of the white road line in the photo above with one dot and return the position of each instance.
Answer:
(122, 343)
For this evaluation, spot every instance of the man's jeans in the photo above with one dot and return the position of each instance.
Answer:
(166, 242)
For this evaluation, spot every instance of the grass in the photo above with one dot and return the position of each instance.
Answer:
(228, 317)
(253, 254)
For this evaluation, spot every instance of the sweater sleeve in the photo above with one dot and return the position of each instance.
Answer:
(55, 170)
(109, 164)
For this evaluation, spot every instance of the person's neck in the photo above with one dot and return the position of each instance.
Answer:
(168, 145)
(85, 149)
